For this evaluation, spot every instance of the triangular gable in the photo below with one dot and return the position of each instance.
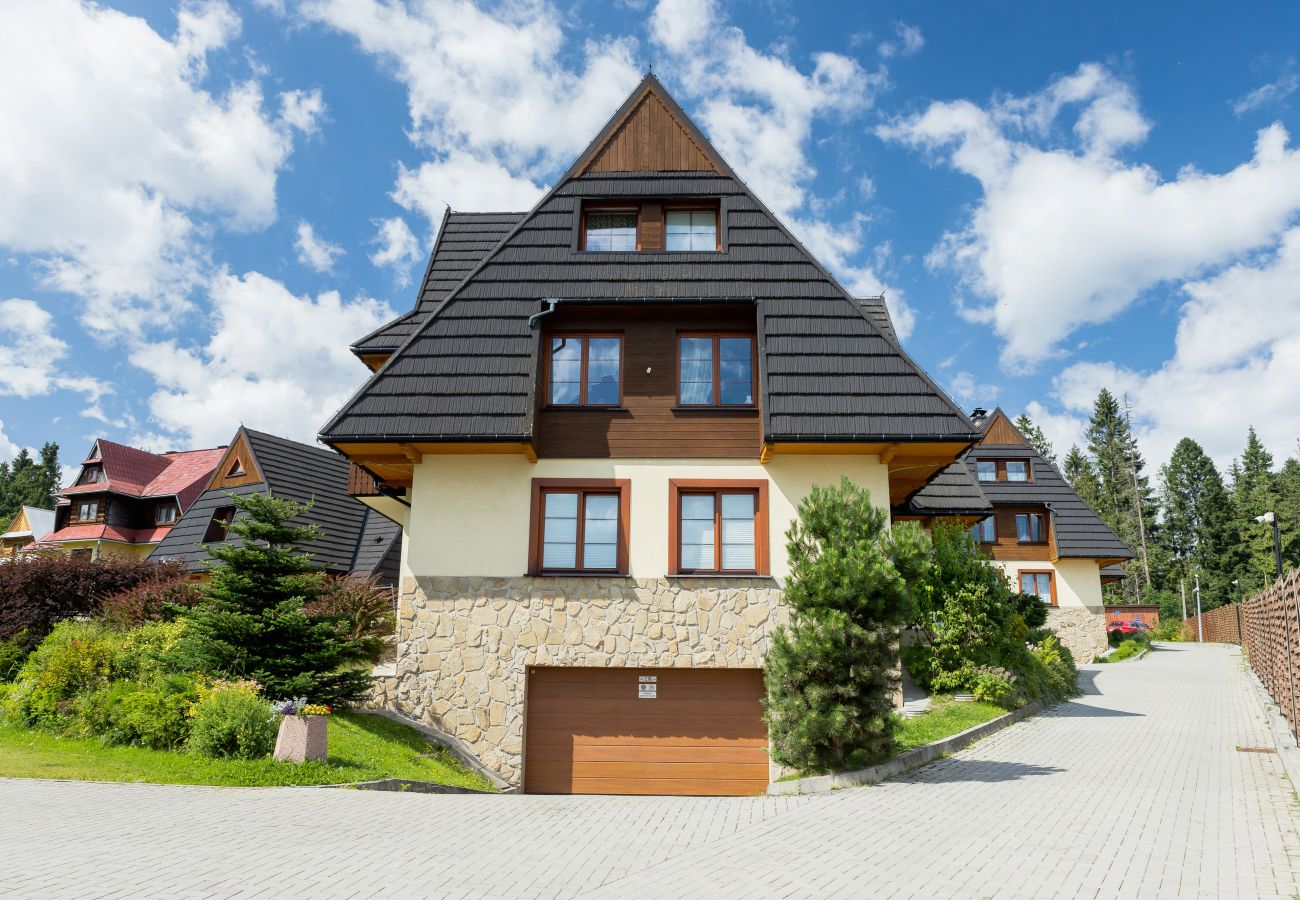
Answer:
(94, 455)
(238, 467)
(652, 135)
(1001, 432)
(20, 524)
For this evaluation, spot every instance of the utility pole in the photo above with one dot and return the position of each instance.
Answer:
(1200, 624)
(1182, 587)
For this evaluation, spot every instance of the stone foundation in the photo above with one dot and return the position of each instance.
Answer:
(465, 644)
(1081, 628)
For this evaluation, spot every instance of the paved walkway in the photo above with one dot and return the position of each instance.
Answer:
(1134, 790)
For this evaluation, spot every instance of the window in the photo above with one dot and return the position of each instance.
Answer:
(217, 528)
(609, 230)
(986, 470)
(165, 514)
(1030, 528)
(579, 526)
(715, 370)
(1040, 585)
(985, 531)
(585, 371)
(1017, 470)
(236, 469)
(692, 230)
(87, 510)
(92, 475)
(81, 553)
(718, 528)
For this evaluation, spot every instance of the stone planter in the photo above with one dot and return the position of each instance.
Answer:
(302, 738)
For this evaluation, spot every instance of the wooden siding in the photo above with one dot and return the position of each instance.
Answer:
(649, 424)
(589, 732)
(1001, 432)
(650, 139)
(1008, 548)
(240, 451)
(361, 483)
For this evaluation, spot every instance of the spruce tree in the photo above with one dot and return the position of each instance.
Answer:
(1254, 493)
(1288, 510)
(252, 623)
(1124, 499)
(27, 482)
(1082, 476)
(1036, 438)
(1198, 531)
(831, 675)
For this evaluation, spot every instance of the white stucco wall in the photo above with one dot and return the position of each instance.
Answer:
(1078, 581)
(470, 513)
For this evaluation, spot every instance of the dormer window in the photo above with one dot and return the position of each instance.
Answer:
(692, 229)
(987, 469)
(610, 230)
(87, 510)
(92, 475)
(165, 513)
(236, 469)
(585, 370)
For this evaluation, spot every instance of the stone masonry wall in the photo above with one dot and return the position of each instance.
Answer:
(465, 644)
(1081, 628)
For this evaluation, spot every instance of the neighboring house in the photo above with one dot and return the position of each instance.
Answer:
(595, 428)
(353, 539)
(1039, 530)
(31, 523)
(126, 500)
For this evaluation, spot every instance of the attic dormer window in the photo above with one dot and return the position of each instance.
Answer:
(92, 475)
(692, 229)
(609, 230)
(236, 470)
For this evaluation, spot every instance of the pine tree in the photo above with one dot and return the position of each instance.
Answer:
(1124, 499)
(831, 675)
(1035, 436)
(1254, 493)
(1082, 476)
(252, 623)
(26, 482)
(1288, 510)
(1198, 532)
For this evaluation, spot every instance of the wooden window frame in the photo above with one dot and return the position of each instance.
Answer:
(79, 518)
(1043, 537)
(715, 208)
(95, 469)
(582, 403)
(157, 513)
(1051, 582)
(622, 487)
(225, 529)
(977, 469)
(634, 208)
(1000, 470)
(717, 369)
(677, 487)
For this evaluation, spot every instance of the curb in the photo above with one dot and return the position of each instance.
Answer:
(405, 785)
(1287, 750)
(904, 762)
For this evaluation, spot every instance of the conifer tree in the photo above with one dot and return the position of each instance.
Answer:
(252, 623)
(1198, 532)
(27, 482)
(1124, 499)
(1036, 438)
(1288, 510)
(1082, 476)
(831, 675)
(1254, 493)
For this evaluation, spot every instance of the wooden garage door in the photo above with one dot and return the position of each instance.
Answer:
(605, 731)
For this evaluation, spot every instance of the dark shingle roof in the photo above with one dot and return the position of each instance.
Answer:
(878, 313)
(952, 492)
(298, 472)
(463, 240)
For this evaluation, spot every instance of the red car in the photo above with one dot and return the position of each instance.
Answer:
(1134, 627)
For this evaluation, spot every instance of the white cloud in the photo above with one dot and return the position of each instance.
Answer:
(1067, 233)
(967, 391)
(8, 449)
(274, 361)
(113, 194)
(1236, 360)
(1267, 94)
(398, 248)
(909, 43)
(466, 182)
(677, 25)
(31, 357)
(302, 110)
(313, 251)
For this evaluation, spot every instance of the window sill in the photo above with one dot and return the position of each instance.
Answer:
(573, 574)
(583, 409)
(751, 410)
(730, 576)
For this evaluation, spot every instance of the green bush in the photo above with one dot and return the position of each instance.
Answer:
(154, 714)
(1062, 674)
(76, 658)
(231, 720)
(1168, 630)
(12, 654)
(1126, 650)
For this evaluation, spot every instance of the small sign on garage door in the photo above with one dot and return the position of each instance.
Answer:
(647, 687)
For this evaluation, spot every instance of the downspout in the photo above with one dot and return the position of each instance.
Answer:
(551, 303)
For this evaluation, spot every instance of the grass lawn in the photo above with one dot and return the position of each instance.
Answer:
(362, 748)
(945, 718)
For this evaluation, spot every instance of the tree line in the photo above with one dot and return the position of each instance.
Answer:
(29, 482)
(1192, 522)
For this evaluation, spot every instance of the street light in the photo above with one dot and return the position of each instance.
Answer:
(1270, 519)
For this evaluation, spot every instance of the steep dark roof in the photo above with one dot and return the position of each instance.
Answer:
(463, 240)
(828, 372)
(878, 313)
(379, 549)
(1080, 532)
(298, 472)
(952, 492)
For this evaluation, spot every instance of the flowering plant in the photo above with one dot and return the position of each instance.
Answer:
(300, 707)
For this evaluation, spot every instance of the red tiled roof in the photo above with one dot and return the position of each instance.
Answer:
(106, 533)
(139, 473)
(187, 475)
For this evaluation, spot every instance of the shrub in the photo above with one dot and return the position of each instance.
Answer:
(154, 714)
(76, 658)
(1058, 664)
(831, 675)
(44, 590)
(1168, 630)
(12, 654)
(232, 720)
(150, 601)
(363, 610)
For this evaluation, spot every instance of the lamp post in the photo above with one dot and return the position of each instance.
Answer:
(1271, 519)
(1241, 640)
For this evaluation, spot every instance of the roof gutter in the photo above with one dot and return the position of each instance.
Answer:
(880, 438)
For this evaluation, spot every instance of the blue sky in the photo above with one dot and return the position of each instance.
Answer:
(202, 205)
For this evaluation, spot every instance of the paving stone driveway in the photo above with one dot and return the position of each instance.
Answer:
(1134, 790)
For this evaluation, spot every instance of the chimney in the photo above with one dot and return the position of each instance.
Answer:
(978, 415)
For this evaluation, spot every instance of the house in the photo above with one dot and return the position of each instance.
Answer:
(1051, 544)
(595, 428)
(353, 539)
(125, 500)
(31, 523)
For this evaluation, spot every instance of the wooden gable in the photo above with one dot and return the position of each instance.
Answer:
(238, 467)
(651, 137)
(1001, 432)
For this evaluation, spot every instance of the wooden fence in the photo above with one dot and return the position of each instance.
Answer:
(1270, 632)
